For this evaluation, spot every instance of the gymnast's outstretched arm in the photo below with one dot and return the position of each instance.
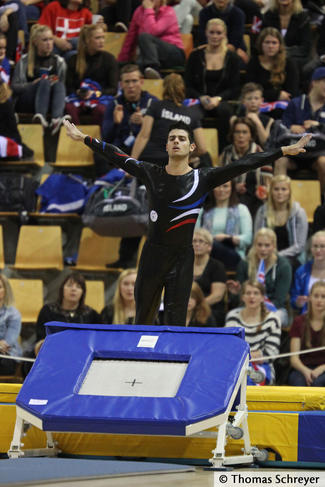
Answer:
(220, 175)
(115, 155)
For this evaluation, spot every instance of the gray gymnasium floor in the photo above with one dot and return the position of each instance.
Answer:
(199, 478)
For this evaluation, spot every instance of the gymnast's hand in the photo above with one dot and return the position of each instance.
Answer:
(298, 147)
(73, 131)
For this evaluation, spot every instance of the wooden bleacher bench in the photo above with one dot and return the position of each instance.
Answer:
(308, 194)
(28, 294)
(32, 135)
(95, 295)
(154, 87)
(114, 42)
(71, 155)
(96, 251)
(39, 248)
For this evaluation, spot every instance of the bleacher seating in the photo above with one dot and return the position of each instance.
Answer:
(96, 251)
(308, 194)
(95, 295)
(39, 248)
(32, 135)
(154, 86)
(69, 157)
(28, 295)
(114, 42)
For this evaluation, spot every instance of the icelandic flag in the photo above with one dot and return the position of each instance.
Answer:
(260, 277)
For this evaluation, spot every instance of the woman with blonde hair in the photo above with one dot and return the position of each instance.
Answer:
(212, 75)
(39, 80)
(10, 326)
(294, 24)
(198, 310)
(265, 265)
(286, 217)
(150, 144)
(262, 327)
(277, 73)
(309, 273)
(122, 309)
(92, 74)
(308, 331)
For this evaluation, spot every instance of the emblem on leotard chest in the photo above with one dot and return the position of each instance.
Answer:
(153, 216)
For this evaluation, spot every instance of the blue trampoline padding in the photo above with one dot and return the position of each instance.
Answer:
(215, 358)
(311, 436)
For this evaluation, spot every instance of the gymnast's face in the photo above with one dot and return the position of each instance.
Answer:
(178, 143)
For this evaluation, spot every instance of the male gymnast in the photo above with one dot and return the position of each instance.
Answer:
(176, 193)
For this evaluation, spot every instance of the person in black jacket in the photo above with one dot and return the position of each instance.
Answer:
(272, 68)
(212, 75)
(233, 17)
(70, 307)
(92, 63)
(294, 24)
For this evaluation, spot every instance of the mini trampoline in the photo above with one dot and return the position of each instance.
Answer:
(151, 380)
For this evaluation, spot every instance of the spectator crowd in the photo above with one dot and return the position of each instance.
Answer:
(256, 73)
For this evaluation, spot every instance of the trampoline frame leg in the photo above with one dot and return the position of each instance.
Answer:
(15, 451)
(219, 459)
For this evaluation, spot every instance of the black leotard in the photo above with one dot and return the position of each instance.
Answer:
(174, 205)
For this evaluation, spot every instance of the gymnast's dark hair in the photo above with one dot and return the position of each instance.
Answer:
(182, 126)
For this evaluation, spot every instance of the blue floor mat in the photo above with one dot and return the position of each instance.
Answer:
(31, 470)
